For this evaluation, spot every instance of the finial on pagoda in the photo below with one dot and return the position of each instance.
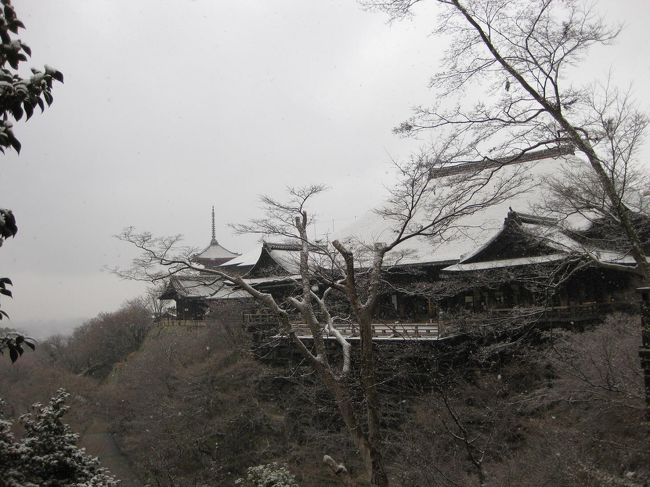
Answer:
(214, 238)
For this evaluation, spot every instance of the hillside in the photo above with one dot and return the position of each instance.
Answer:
(191, 406)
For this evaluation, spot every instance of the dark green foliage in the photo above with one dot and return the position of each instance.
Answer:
(8, 229)
(15, 343)
(19, 97)
(8, 226)
(47, 454)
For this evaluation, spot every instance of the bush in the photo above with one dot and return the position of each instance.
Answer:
(270, 475)
(47, 454)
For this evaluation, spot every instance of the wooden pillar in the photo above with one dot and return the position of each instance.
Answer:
(644, 351)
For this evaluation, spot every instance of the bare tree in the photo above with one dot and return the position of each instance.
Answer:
(519, 56)
(419, 206)
(151, 299)
(599, 367)
(575, 192)
(98, 344)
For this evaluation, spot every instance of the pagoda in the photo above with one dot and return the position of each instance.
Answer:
(214, 254)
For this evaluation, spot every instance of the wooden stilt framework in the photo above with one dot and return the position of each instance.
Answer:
(644, 351)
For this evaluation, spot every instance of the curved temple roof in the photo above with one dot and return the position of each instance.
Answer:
(470, 231)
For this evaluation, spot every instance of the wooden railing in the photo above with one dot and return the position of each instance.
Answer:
(383, 330)
(261, 317)
(420, 330)
(186, 323)
(265, 320)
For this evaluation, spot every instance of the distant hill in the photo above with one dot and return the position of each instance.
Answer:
(42, 329)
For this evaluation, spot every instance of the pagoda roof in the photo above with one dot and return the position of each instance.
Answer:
(214, 254)
(214, 251)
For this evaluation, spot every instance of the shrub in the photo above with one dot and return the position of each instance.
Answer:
(269, 475)
(47, 454)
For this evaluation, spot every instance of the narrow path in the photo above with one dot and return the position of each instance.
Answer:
(98, 441)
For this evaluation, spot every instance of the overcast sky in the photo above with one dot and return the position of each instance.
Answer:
(170, 107)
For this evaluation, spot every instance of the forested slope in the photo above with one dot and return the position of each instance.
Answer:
(191, 406)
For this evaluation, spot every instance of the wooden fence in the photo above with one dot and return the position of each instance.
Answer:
(170, 322)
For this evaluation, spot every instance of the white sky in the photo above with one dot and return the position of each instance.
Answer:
(169, 107)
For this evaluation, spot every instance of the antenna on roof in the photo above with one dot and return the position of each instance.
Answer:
(214, 238)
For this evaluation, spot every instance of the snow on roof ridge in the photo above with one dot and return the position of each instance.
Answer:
(520, 218)
(282, 246)
(499, 263)
(487, 162)
(530, 218)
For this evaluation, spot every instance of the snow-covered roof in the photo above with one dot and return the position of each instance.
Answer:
(543, 230)
(214, 251)
(598, 255)
(501, 263)
(539, 235)
(469, 232)
(289, 260)
(270, 259)
(246, 259)
(553, 236)
(272, 279)
(202, 287)
(287, 256)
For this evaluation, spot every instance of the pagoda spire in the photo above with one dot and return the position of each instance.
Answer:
(214, 238)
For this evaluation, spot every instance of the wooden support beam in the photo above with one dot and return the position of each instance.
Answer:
(644, 351)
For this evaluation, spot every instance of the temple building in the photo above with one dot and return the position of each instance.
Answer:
(199, 295)
(496, 260)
